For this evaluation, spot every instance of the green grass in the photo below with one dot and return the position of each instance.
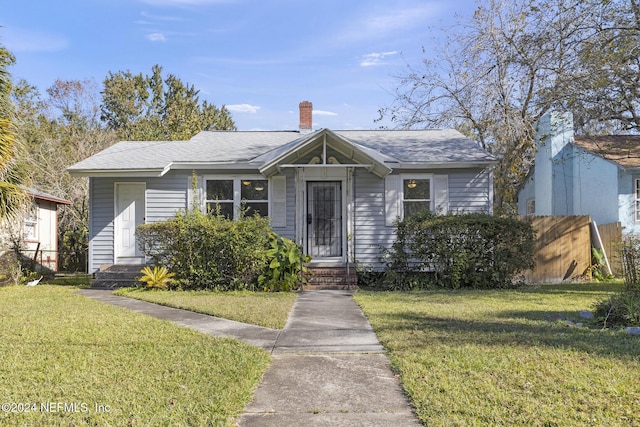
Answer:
(57, 346)
(268, 309)
(501, 358)
(80, 281)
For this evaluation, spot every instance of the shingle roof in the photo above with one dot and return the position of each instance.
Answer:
(621, 149)
(420, 146)
(412, 146)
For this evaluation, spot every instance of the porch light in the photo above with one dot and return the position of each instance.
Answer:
(246, 182)
(259, 186)
(412, 183)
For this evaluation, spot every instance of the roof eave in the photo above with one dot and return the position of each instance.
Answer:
(124, 173)
(444, 165)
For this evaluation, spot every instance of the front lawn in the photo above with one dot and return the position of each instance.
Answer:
(268, 309)
(68, 360)
(504, 357)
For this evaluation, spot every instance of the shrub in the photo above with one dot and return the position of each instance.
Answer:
(454, 251)
(286, 265)
(623, 309)
(209, 251)
(620, 310)
(156, 278)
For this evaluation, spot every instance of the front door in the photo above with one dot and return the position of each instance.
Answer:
(130, 208)
(324, 219)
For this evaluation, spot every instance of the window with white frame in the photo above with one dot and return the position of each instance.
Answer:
(637, 198)
(416, 195)
(30, 228)
(230, 196)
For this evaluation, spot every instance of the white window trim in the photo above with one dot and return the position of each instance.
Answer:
(416, 176)
(237, 189)
(31, 220)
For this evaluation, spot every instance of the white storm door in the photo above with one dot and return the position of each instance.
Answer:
(130, 212)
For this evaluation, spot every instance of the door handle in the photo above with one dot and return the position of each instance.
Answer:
(309, 220)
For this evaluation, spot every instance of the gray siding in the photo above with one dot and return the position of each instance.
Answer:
(101, 211)
(166, 196)
(290, 230)
(468, 192)
(370, 232)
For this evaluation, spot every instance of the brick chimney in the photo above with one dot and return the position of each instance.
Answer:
(306, 116)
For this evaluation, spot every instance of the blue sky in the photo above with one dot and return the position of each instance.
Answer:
(260, 58)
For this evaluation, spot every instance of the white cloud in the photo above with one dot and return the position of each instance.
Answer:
(243, 108)
(160, 17)
(382, 23)
(18, 40)
(401, 19)
(324, 113)
(156, 37)
(375, 58)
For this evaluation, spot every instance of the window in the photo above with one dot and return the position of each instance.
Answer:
(637, 198)
(416, 195)
(531, 207)
(254, 196)
(30, 228)
(230, 196)
(219, 197)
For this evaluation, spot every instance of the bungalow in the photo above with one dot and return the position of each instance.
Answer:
(583, 175)
(337, 193)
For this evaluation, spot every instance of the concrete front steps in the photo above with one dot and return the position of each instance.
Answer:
(116, 276)
(329, 276)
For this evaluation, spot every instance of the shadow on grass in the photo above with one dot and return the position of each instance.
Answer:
(79, 281)
(534, 333)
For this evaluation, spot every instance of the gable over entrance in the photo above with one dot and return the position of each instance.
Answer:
(323, 149)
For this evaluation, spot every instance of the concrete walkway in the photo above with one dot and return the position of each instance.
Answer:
(328, 367)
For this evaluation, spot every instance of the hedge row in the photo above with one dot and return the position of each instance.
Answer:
(454, 251)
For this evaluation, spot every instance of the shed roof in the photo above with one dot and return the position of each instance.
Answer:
(41, 195)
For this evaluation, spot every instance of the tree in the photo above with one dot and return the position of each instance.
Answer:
(12, 173)
(141, 107)
(605, 94)
(58, 131)
(498, 74)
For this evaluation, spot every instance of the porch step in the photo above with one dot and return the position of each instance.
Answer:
(323, 277)
(116, 276)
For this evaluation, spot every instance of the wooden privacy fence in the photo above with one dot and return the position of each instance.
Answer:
(562, 248)
(611, 236)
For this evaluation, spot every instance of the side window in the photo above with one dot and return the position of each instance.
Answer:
(254, 196)
(30, 228)
(229, 196)
(219, 196)
(416, 196)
